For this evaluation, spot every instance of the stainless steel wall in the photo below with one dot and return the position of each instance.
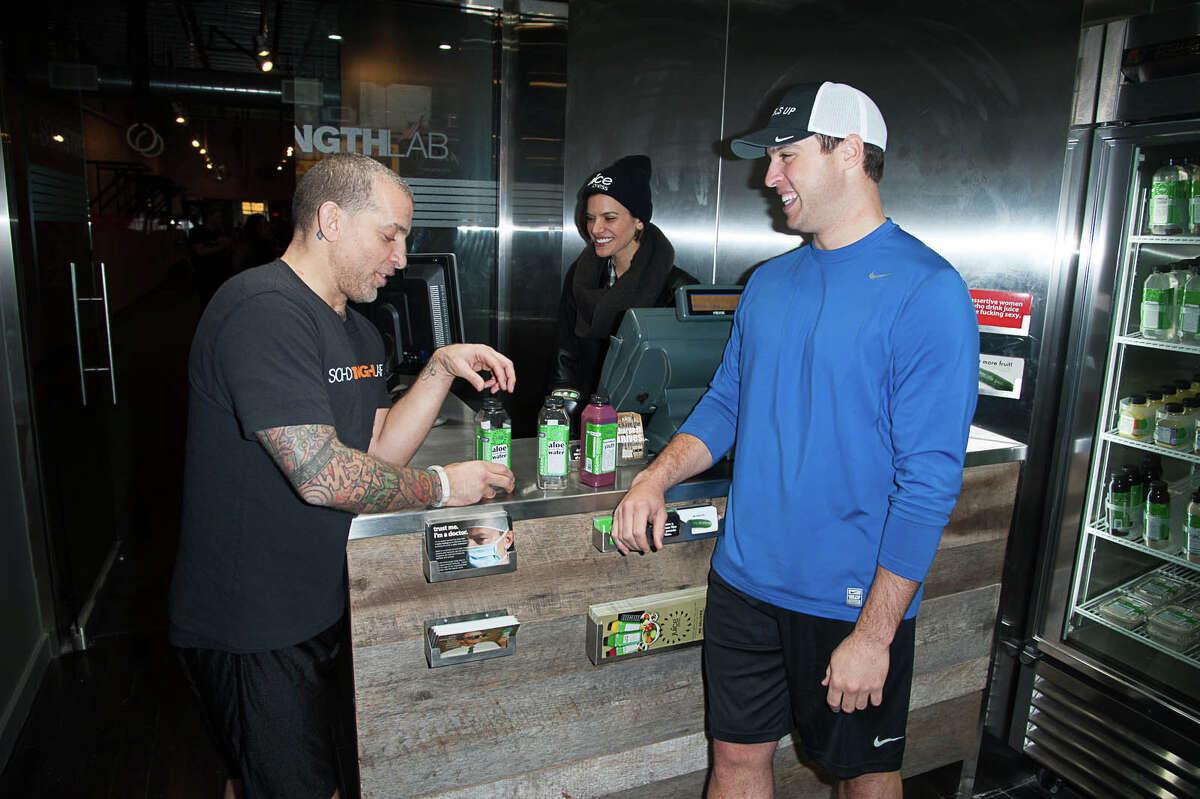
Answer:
(977, 99)
(647, 77)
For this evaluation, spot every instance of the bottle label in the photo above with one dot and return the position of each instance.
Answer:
(1156, 308)
(1167, 207)
(481, 429)
(1194, 218)
(1118, 514)
(600, 448)
(1158, 522)
(496, 445)
(1133, 426)
(1189, 312)
(1192, 531)
(552, 449)
(1170, 435)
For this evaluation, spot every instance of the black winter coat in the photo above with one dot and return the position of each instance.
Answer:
(590, 311)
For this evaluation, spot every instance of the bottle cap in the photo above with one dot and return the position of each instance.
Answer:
(492, 404)
(1153, 394)
(1158, 484)
(1136, 399)
(554, 402)
(1173, 407)
(599, 399)
(1196, 496)
(1182, 382)
(1163, 268)
(1191, 402)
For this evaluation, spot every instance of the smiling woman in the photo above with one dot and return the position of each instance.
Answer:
(628, 263)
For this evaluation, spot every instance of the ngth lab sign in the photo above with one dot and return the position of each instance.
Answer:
(370, 141)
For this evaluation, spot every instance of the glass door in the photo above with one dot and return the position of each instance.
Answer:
(1135, 589)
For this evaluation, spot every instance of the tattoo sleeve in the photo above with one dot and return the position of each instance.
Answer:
(326, 472)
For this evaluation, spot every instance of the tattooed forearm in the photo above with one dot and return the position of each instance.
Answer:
(326, 472)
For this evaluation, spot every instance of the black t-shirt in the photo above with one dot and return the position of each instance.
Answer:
(258, 568)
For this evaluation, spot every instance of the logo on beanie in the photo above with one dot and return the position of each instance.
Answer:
(784, 110)
(600, 182)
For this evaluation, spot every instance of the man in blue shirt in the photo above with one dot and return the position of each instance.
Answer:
(849, 384)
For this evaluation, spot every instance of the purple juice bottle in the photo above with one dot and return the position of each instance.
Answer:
(598, 426)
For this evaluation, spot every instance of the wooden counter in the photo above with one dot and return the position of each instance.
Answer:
(545, 722)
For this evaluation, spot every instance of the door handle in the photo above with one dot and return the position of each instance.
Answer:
(103, 298)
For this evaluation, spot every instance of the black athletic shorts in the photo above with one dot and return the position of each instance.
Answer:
(271, 714)
(763, 669)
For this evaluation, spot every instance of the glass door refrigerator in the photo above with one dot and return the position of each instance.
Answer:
(1113, 675)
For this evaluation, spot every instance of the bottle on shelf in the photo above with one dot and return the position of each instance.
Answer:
(1191, 409)
(1169, 200)
(1170, 393)
(1137, 498)
(1158, 516)
(1136, 419)
(1158, 305)
(1154, 398)
(1191, 528)
(1189, 308)
(1173, 428)
(1193, 214)
(1118, 506)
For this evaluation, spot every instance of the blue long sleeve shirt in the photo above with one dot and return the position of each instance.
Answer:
(849, 384)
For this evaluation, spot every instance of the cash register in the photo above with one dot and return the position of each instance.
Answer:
(661, 360)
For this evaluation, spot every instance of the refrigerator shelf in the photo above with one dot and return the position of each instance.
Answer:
(1116, 438)
(1137, 340)
(1152, 239)
(1100, 530)
(1186, 575)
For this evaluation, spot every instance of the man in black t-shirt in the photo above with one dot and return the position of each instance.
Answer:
(290, 433)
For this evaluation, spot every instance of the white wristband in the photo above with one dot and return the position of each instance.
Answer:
(444, 479)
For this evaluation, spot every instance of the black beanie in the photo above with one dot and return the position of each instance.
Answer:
(628, 182)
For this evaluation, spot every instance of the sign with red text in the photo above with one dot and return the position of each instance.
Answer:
(1005, 312)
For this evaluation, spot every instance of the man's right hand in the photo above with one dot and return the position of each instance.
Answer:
(643, 503)
(471, 481)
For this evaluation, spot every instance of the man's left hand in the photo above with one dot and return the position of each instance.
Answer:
(466, 360)
(855, 674)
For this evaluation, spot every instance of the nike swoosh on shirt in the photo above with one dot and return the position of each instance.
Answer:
(880, 742)
(874, 276)
(783, 138)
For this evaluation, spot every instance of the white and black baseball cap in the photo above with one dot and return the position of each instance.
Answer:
(832, 109)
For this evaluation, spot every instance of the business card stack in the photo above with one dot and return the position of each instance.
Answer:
(476, 636)
(645, 624)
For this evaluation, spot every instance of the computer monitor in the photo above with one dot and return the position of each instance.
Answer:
(417, 311)
(661, 360)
